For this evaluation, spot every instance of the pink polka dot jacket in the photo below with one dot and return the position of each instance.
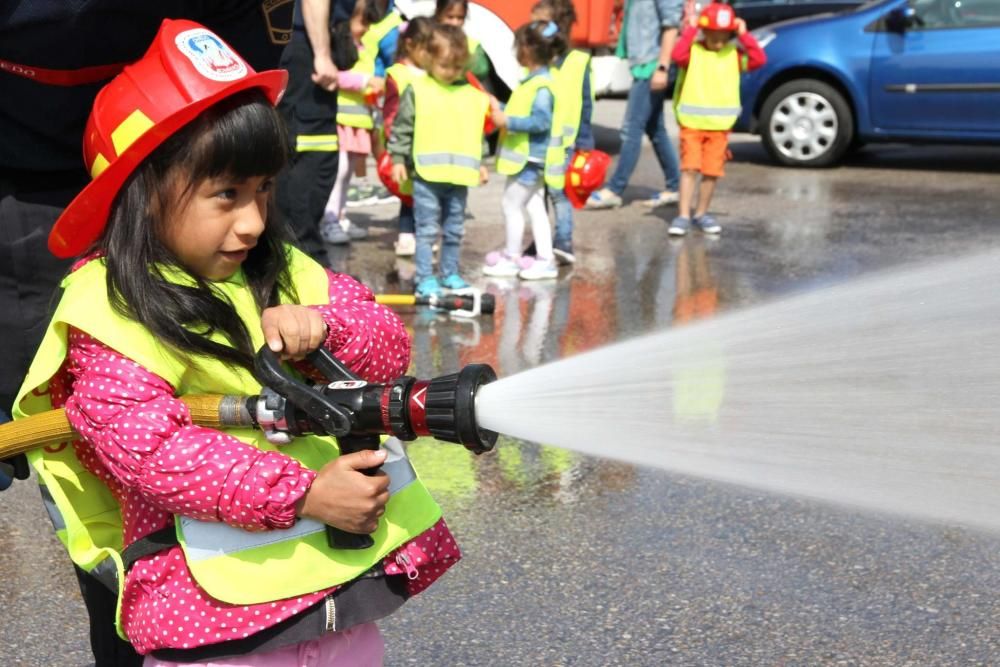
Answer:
(140, 440)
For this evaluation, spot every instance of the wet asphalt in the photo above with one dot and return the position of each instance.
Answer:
(572, 560)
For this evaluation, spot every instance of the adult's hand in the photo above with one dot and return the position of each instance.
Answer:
(325, 73)
(659, 80)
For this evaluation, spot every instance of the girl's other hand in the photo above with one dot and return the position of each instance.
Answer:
(399, 173)
(377, 85)
(484, 175)
(499, 118)
(741, 27)
(344, 497)
(292, 330)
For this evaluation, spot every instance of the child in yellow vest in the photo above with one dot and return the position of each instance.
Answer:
(411, 64)
(527, 156)
(437, 139)
(354, 134)
(454, 12)
(183, 277)
(707, 103)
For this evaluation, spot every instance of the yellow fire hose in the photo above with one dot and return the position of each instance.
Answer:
(48, 428)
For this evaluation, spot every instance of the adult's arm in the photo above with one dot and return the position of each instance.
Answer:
(669, 13)
(316, 16)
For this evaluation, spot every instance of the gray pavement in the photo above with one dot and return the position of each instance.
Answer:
(571, 560)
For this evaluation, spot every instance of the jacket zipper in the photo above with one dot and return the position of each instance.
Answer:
(404, 562)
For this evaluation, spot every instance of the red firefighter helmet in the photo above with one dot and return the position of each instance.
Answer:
(585, 173)
(187, 69)
(717, 16)
(385, 175)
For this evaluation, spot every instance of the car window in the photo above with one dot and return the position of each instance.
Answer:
(939, 14)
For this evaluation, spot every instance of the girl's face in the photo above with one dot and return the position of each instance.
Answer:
(419, 56)
(454, 15)
(541, 14)
(358, 27)
(445, 70)
(213, 228)
(716, 39)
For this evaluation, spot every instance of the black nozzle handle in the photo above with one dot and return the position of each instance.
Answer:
(269, 372)
(341, 539)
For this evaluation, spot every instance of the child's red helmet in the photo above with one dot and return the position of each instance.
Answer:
(187, 69)
(717, 16)
(585, 173)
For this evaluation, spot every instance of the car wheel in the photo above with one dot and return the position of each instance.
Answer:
(806, 123)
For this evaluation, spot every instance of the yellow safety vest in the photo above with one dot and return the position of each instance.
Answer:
(403, 75)
(448, 131)
(568, 83)
(707, 93)
(514, 146)
(352, 110)
(223, 559)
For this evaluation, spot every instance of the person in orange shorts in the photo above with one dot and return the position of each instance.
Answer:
(707, 103)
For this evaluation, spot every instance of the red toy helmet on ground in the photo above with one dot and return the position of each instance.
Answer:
(585, 173)
(717, 16)
(187, 69)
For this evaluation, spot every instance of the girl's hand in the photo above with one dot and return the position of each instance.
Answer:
(343, 497)
(292, 330)
(399, 173)
(499, 118)
(741, 27)
(377, 85)
(484, 175)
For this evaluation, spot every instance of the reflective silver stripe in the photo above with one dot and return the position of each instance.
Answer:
(209, 539)
(55, 516)
(555, 169)
(106, 572)
(353, 109)
(555, 141)
(446, 159)
(319, 143)
(513, 156)
(568, 130)
(708, 111)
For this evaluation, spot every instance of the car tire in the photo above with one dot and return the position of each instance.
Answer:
(806, 123)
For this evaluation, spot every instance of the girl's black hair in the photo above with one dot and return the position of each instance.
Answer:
(562, 12)
(375, 10)
(241, 137)
(542, 40)
(441, 6)
(417, 34)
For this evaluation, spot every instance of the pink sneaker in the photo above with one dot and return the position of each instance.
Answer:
(500, 265)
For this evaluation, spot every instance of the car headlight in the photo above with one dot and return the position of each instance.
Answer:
(764, 36)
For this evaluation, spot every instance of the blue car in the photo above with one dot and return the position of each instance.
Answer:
(890, 70)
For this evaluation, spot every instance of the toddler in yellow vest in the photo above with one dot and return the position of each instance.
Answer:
(214, 539)
(707, 104)
(437, 139)
(531, 154)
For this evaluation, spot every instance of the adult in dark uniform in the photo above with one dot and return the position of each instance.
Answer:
(54, 57)
(309, 108)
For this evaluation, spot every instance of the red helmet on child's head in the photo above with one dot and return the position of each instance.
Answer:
(585, 173)
(187, 69)
(717, 16)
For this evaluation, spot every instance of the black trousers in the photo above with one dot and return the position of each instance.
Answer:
(29, 278)
(311, 116)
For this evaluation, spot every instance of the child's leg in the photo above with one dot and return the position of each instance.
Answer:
(453, 228)
(564, 219)
(540, 227)
(705, 194)
(688, 179)
(338, 196)
(515, 196)
(406, 224)
(426, 216)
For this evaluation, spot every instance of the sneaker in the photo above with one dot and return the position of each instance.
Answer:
(454, 281)
(679, 226)
(660, 199)
(333, 233)
(383, 196)
(564, 253)
(603, 198)
(406, 245)
(500, 265)
(353, 231)
(428, 286)
(707, 224)
(540, 269)
(361, 195)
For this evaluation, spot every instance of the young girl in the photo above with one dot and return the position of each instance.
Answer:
(437, 137)
(184, 277)
(354, 126)
(530, 150)
(454, 12)
(411, 65)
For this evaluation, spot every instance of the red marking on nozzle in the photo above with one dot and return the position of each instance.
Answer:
(417, 407)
